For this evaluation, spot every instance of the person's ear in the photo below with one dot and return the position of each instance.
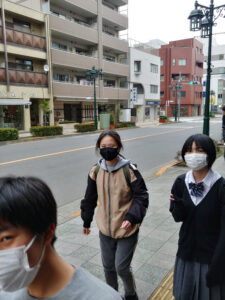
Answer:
(49, 234)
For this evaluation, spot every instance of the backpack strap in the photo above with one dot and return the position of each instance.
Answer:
(97, 170)
(126, 172)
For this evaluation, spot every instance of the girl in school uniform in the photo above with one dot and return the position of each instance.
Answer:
(198, 201)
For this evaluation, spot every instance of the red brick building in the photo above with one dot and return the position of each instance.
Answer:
(181, 59)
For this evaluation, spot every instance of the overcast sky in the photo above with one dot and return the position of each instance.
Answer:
(166, 20)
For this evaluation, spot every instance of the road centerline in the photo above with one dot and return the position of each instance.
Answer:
(87, 147)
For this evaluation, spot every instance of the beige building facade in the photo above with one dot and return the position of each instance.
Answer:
(24, 64)
(86, 34)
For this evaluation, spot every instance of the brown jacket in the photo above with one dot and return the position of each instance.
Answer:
(117, 201)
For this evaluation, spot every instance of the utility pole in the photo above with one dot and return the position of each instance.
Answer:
(179, 94)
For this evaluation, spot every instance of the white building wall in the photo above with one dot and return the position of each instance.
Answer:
(146, 78)
(218, 70)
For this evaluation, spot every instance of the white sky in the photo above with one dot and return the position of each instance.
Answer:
(166, 20)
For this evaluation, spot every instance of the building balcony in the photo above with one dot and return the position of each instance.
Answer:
(113, 68)
(90, 6)
(72, 60)
(118, 2)
(71, 28)
(21, 77)
(113, 93)
(115, 43)
(115, 17)
(73, 90)
(24, 39)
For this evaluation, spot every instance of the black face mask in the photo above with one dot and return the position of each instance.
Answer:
(109, 153)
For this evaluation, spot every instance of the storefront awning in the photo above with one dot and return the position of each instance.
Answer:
(14, 101)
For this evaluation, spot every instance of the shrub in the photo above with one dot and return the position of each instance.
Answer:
(46, 130)
(125, 124)
(66, 122)
(85, 127)
(7, 134)
(163, 117)
(212, 115)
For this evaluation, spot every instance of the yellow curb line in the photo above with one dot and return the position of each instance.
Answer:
(163, 169)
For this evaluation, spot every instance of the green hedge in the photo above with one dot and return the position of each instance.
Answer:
(85, 127)
(46, 130)
(125, 124)
(7, 134)
(66, 122)
(163, 117)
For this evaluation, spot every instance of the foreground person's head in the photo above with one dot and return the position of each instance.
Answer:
(28, 218)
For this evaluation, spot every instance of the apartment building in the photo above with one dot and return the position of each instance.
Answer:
(181, 60)
(86, 34)
(24, 67)
(145, 83)
(217, 83)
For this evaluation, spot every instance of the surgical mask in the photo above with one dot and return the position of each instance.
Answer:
(196, 161)
(15, 272)
(109, 153)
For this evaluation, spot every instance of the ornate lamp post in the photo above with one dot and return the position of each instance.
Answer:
(92, 75)
(203, 18)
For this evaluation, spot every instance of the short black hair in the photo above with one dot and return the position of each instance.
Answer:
(111, 133)
(27, 202)
(202, 141)
(223, 108)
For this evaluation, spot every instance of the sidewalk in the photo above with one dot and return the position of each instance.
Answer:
(157, 246)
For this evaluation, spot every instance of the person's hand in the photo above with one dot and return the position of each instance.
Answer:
(126, 225)
(171, 197)
(86, 231)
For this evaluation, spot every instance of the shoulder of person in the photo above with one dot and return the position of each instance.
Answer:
(94, 171)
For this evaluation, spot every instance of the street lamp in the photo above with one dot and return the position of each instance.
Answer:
(203, 18)
(91, 75)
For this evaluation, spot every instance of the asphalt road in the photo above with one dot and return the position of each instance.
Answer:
(64, 162)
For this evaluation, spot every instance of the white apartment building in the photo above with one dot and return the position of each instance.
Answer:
(144, 83)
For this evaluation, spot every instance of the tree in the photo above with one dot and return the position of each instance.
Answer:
(46, 109)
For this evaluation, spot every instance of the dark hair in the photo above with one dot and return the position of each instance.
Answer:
(223, 108)
(201, 141)
(111, 133)
(27, 202)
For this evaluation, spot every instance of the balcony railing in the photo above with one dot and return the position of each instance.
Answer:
(74, 52)
(73, 19)
(21, 77)
(24, 38)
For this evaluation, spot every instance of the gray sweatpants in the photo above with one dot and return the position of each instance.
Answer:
(116, 259)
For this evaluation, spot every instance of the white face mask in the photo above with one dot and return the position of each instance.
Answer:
(196, 161)
(15, 272)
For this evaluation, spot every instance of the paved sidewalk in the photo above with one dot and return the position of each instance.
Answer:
(156, 250)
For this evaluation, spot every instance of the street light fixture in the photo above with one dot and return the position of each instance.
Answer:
(91, 75)
(203, 18)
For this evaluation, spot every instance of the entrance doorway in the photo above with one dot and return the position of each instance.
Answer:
(73, 112)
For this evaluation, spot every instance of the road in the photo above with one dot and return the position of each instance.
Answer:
(64, 162)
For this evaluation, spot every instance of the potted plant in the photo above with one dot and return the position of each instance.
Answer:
(163, 119)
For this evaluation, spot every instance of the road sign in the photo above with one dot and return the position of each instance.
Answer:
(194, 82)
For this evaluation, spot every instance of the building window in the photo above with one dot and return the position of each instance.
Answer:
(21, 64)
(61, 77)
(153, 89)
(59, 46)
(109, 83)
(161, 94)
(161, 62)
(183, 94)
(182, 62)
(174, 61)
(161, 77)
(21, 24)
(137, 66)
(221, 56)
(154, 68)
